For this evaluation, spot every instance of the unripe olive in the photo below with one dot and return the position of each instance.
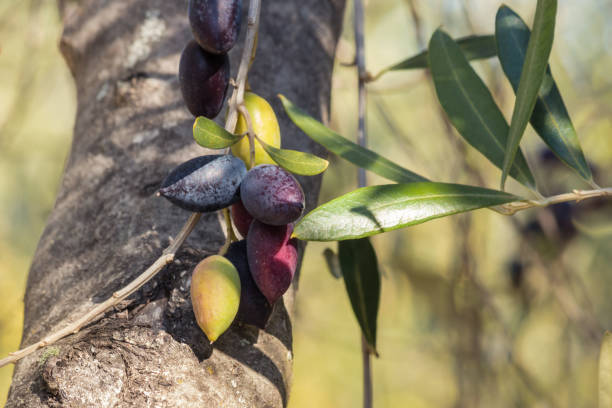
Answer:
(215, 23)
(272, 195)
(215, 295)
(254, 307)
(265, 127)
(272, 255)
(203, 78)
(205, 184)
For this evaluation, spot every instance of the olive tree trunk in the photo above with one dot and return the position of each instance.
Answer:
(108, 225)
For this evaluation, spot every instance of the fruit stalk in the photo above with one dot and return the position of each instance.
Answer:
(168, 255)
(237, 97)
(250, 133)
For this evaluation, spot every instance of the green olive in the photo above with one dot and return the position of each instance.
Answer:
(215, 295)
(265, 127)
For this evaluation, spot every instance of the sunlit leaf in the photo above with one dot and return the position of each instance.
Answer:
(373, 210)
(474, 47)
(605, 372)
(532, 76)
(550, 118)
(346, 149)
(210, 135)
(296, 162)
(470, 106)
(362, 281)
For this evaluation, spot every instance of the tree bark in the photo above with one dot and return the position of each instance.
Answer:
(107, 225)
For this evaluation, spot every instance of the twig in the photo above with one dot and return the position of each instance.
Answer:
(169, 253)
(237, 98)
(362, 139)
(576, 195)
(96, 312)
(250, 132)
(362, 74)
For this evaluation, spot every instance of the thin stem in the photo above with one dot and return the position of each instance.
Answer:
(169, 253)
(362, 140)
(230, 236)
(576, 195)
(250, 132)
(362, 137)
(95, 313)
(248, 52)
(367, 374)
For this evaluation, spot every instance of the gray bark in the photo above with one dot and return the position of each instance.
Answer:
(107, 225)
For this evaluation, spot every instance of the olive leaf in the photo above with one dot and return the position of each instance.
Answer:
(474, 47)
(304, 164)
(212, 136)
(470, 106)
(376, 209)
(550, 118)
(362, 281)
(346, 149)
(532, 76)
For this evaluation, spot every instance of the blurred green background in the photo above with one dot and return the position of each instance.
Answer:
(477, 310)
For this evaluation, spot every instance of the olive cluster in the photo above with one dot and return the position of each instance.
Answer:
(204, 69)
(255, 272)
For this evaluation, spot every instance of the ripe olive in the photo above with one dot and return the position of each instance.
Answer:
(203, 78)
(272, 256)
(272, 195)
(205, 184)
(215, 23)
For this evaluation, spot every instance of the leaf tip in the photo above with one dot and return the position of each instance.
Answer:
(372, 350)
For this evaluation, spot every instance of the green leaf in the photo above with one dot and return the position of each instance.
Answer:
(605, 372)
(210, 135)
(550, 118)
(362, 281)
(474, 47)
(296, 162)
(532, 76)
(373, 210)
(346, 149)
(470, 106)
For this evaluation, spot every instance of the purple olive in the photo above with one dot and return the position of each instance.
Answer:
(273, 257)
(272, 195)
(203, 78)
(205, 184)
(215, 23)
(254, 307)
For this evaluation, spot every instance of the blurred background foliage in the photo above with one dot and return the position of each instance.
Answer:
(477, 310)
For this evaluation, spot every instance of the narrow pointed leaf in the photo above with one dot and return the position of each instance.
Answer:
(470, 106)
(376, 209)
(532, 76)
(362, 281)
(605, 372)
(550, 118)
(210, 135)
(346, 149)
(296, 162)
(474, 47)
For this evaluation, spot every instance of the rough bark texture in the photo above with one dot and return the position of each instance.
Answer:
(108, 226)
